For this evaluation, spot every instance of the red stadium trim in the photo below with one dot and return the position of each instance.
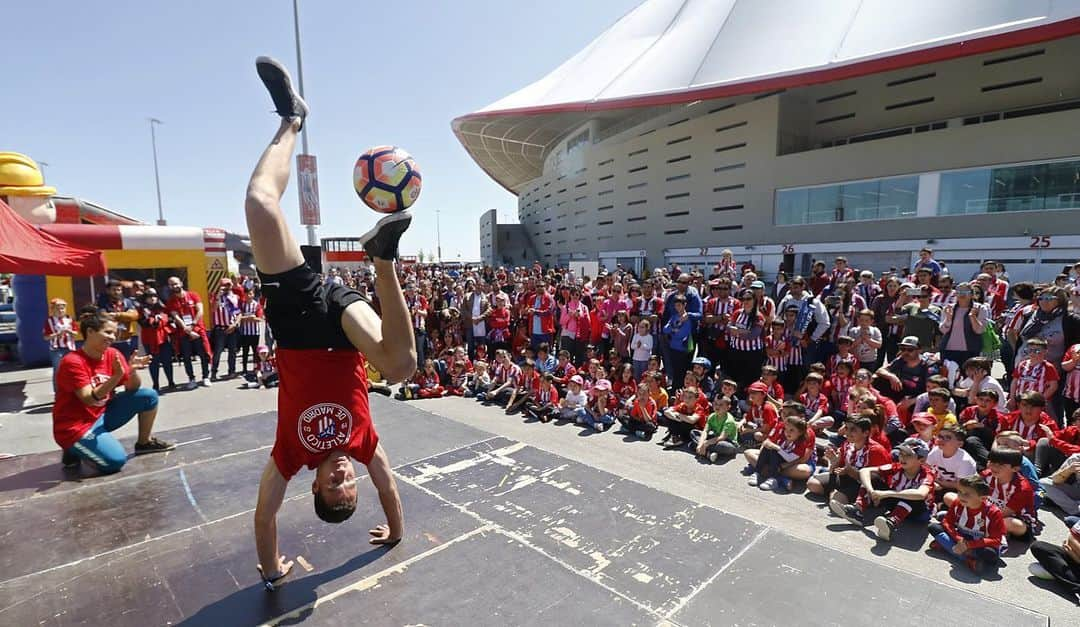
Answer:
(1012, 39)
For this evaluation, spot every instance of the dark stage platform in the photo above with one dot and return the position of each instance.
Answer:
(499, 533)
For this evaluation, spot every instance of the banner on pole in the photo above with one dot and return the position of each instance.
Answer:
(307, 176)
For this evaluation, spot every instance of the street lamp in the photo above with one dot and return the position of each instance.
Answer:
(311, 236)
(438, 238)
(157, 177)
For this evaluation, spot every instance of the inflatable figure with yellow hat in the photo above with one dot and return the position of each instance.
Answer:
(24, 188)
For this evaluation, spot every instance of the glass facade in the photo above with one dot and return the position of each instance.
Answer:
(882, 199)
(1031, 187)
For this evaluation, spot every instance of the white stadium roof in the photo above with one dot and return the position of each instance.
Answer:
(667, 52)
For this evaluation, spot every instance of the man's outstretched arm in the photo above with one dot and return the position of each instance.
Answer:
(271, 494)
(382, 477)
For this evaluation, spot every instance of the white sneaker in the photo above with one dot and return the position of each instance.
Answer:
(205, 383)
(752, 481)
(713, 457)
(599, 426)
(1037, 570)
(837, 508)
(767, 485)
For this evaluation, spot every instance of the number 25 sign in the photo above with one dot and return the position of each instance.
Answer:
(1039, 241)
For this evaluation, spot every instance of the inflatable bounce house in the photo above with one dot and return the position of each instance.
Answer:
(67, 248)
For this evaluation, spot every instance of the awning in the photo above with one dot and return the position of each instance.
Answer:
(25, 249)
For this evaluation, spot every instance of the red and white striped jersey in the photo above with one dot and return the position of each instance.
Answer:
(251, 307)
(781, 345)
(509, 372)
(795, 356)
(840, 388)
(743, 321)
(838, 359)
(898, 480)
(1032, 376)
(814, 403)
(943, 298)
(1016, 495)
(1014, 318)
(65, 327)
(226, 310)
(1072, 379)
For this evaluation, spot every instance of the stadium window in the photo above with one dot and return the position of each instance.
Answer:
(637, 152)
(637, 169)
(881, 199)
(731, 147)
(635, 202)
(910, 79)
(636, 219)
(604, 207)
(605, 192)
(605, 222)
(675, 232)
(637, 185)
(677, 177)
(675, 214)
(835, 118)
(606, 162)
(833, 97)
(727, 168)
(678, 159)
(679, 140)
(728, 188)
(679, 195)
(1028, 187)
(727, 208)
(605, 178)
(730, 227)
(635, 235)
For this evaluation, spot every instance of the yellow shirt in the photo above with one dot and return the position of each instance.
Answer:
(661, 398)
(942, 419)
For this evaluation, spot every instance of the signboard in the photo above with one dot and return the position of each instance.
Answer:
(307, 177)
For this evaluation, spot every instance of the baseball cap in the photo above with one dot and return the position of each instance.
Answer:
(910, 341)
(757, 285)
(602, 384)
(923, 419)
(577, 379)
(758, 386)
(914, 446)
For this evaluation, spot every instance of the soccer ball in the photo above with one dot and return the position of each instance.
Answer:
(387, 179)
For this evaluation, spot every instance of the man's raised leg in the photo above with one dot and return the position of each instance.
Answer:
(272, 242)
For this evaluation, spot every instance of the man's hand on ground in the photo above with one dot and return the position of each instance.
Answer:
(381, 535)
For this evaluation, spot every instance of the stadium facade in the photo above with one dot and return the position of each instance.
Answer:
(786, 133)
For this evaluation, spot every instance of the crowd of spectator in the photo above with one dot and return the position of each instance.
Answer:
(882, 394)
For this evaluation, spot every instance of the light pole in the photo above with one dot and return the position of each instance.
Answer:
(157, 178)
(311, 236)
(438, 238)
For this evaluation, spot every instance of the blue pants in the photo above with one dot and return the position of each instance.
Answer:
(591, 419)
(577, 414)
(98, 445)
(983, 554)
(55, 355)
(639, 369)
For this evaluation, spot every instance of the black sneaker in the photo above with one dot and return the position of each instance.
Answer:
(154, 445)
(848, 512)
(287, 103)
(70, 460)
(381, 241)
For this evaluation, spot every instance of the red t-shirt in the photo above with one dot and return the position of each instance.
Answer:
(764, 417)
(322, 406)
(1016, 495)
(898, 480)
(186, 307)
(71, 417)
(871, 455)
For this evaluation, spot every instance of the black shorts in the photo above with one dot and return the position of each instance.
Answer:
(304, 313)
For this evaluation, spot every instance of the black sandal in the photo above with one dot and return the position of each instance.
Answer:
(271, 583)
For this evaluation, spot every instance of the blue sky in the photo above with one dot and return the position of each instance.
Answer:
(85, 76)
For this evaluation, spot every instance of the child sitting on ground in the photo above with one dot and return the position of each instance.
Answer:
(525, 386)
(600, 412)
(572, 405)
(457, 378)
(544, 405)
(425, 383)
(949, 461)
(981, 422)
(760, 417)
(1031, 422)
(564, 370)
(503, 384)
(841, 483)
(844, 355)
(480, 381)
(682, 418)
(728, 388)
(933, 382)
(721, 432)
(787, 453)
(841, 381)
(1010, 492)
(816, 404)
(1033, 374)
(939, 407)
(973, 528)
(899, 490)
(266, 373)
(642, 419)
